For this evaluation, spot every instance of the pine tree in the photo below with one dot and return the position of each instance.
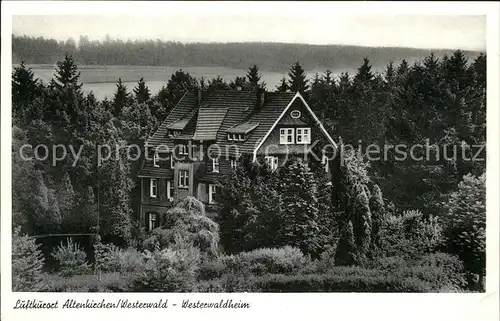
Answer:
(120, 99)
(299, 215)
(297, 81)
(390, 74)
(67, 74)
(115, 211)
(87, 211)
(346, 253)
(254, 78)
(141, 92)
(66, 201)
(364, 76)
(217, 83)
(283, 86)
(27, 263)
(377, 209)
(363, 224)
(24, 89)
(240, 83)
(431, 64)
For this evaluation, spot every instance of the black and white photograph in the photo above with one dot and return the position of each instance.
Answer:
(212, 152)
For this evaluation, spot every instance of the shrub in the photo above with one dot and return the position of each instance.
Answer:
(109, 282)
(169, 270)
(72, 259)
(443, 271)
(212, 269)
(465, 226)
(27, 263)
(284, 260)
(326, 260)
(130, 261)
(447, 270)
(106, 257)
(337, 283)
(409, 235)
(187, 221)
(340, 279)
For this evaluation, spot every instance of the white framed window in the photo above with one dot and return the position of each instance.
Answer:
(241, 137)
(183, 178)
(153, 221)
(215, 165)
(233, 163)
(303, 135)
(212, 190)
(153, 187)
(170, 190)
(324, 162)
(172, 161)
(230, 137)
(287, 136)
(182, 150)
(272, 161)
(155, 159)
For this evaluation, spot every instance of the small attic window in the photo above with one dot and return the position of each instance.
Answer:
(295, 114)
(236, 137)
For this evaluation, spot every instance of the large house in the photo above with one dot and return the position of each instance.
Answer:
(206, 134)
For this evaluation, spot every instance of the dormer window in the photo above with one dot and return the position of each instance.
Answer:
(236, 137)
(215, 165)
(182, 150)
(155, 159)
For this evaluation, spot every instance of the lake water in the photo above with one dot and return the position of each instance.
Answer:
(101, 80)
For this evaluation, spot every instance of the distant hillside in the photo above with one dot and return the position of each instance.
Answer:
(268, 56)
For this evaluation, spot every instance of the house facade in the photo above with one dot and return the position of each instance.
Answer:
(206, 134)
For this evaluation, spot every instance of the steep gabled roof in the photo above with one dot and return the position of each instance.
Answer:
(274, 104)
(226, 111)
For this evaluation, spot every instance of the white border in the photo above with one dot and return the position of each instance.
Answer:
(269, 306)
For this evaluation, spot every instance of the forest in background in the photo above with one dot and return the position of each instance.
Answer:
(268, 56)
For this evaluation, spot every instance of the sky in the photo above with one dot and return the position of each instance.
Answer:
(417, 31)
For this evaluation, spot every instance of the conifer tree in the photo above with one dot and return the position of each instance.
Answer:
(141, 92)
(297, 79)
(67, 74)
(254, 78)
(240, 83)
(390, 74)
(377, 209)
(115, 211)
(217, 83)
(24, 89)
(27, 263)
(87, 211)
(299, 215)
(66, 201)
(120, 99)
(346, 253)
(283, 86)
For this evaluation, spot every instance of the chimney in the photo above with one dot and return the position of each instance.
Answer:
(261, 94)
(200, 95)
